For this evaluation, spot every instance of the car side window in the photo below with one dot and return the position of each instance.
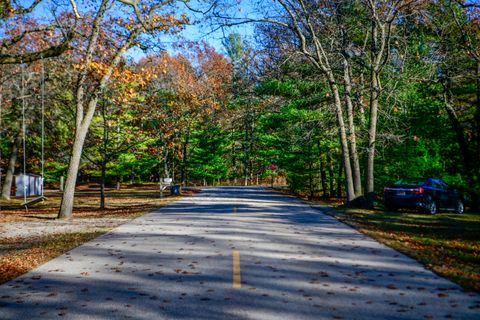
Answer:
(440, 185)
(437, 185)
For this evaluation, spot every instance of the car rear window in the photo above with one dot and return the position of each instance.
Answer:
(409, 182)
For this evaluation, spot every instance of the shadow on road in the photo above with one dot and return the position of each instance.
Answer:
(176, 263)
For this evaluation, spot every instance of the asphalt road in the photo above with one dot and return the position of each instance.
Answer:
(234, 253)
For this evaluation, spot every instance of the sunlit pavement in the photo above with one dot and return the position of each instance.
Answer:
(234, 253)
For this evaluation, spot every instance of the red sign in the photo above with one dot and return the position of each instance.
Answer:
(273, 167)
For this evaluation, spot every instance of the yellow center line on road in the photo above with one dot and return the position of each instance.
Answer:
(236, 277)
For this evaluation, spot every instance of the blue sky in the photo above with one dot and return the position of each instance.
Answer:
(201, 31)
(195, 32)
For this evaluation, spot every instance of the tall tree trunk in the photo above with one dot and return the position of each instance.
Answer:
(7, 183)
(470, 170)
(323, 173)
(234, 158)
(66, 206)
(104, 156)
(477, 112)
(458, 128)
(183, 173)
(252, 141)
(349, 189)
(382, 20)
(357, 180)
(165, 165)
(246, 160)
(339, 181)
(323, 178)
(331, 176)
(359, 100)
(102, 185)
(475, 204)
(82, 125)
(310, 179)
(372, 134)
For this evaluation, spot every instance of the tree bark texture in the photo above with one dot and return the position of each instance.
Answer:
(322, 173)
(246, 161)
(29, 57)
(458, 128)
(477, 114)
(372, 134)
(339, 181)
(102, 185)
(310, 179)
(349, 189)
(323, 179)
(166, 172)
(104, 157)
(183, 172)
(66, 206)
(331, 176)
(470, 169)
(357, 180)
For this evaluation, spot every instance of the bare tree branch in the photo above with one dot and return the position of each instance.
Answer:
(34, 56)
(74, 8)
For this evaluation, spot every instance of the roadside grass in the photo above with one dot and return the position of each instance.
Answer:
(20, 254)
(446, 243)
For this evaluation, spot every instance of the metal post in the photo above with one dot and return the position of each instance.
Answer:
(24, 132)
(1, 97)
(43, 124)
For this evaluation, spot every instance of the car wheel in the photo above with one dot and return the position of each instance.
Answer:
(459, 208)
(391, 208)
(431, 206)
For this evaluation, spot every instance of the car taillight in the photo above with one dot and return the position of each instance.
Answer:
(387, 189)
(418, 190)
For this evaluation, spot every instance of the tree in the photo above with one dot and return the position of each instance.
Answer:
(189, 88)
(382, 17)
(21, 87)
(324, 34)
(207, 155)
(303, 22)
(244, 107)
(106, 40)
(297, 132)
(20, 34)
(456, 26)
(115, 129)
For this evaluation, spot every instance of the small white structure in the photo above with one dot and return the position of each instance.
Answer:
(164, 183)
(29, 185)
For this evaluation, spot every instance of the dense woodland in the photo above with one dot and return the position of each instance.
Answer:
(335, 98)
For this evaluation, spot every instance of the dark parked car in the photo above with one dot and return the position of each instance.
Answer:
(428, 195)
